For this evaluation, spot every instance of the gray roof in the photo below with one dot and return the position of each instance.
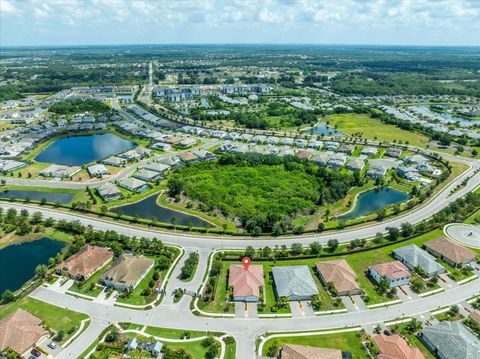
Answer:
(108, 188)
(452, 340)
(294, 280)
(414, 256)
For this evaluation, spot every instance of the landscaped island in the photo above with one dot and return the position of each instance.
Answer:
(261, 192)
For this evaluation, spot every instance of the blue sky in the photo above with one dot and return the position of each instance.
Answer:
(83, 22)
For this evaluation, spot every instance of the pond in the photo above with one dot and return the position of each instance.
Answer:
(322, 129)
(20, 260)
(374, 200)
(79, 150)
(148, 208)
(445, 118)
(52, 197)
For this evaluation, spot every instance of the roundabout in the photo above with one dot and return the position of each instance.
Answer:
(466, 234)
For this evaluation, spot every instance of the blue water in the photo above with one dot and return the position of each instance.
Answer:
(79, 150)
(374, 200)
(18, 261)
(148, 208)
(323, 129)
(51, 197)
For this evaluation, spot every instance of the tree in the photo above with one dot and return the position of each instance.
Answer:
(277, 230)
(407, 229)
(393, 233)
(378, 238)
(103, 209)
(332, 245)
(315, 247)
(41, 270)
(383, 286)
(321, 227)
(296, 249)
(250, 252)
(453, 311)
(8, 296)
(416, 285)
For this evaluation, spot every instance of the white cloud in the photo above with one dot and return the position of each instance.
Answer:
(7, 8)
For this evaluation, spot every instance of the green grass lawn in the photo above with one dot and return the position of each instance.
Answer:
(371, 128)
(86, 288)
(57, 318)
(173, 333)
(347, 342)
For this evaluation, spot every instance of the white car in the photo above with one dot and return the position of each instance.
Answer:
(52, 345)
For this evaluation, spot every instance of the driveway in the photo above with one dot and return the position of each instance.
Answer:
(446, 282)
(252, 310)
(240, 309)
(52, 353)
(405, 293)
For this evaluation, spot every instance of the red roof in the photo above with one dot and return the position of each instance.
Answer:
(392, 270)
(246, 283)
(395, 347)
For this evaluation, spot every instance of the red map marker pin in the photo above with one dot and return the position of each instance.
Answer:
(246, 261)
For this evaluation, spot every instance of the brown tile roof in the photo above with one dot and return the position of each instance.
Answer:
(475, 316)
(303, 154)
(451, 250)
(395, 347)
(19, 331)
(340, 274)
(291, 351)
(392, 270)
(246, 283)
(86, 261)
(187, 156)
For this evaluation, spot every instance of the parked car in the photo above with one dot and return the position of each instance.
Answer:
(35, 352)
(52, 345)
(387, 332)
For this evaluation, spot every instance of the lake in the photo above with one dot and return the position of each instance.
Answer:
(79, 150)
(148, 208)
(323, 129)
(51, 197)
(20, 260)
(374, 200)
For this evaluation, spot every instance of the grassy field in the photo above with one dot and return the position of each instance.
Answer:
(59, 319)
(347, 342)
(173, 333)
(373, 129)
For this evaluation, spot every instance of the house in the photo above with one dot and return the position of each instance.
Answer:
(395, 347)
(331, 146)
(187, 157)
(98, 170)
(336, 161)
(246, 283)
(127, 272)
(20, 331)
(161, 146)
(409, 173)
(205, 155)
(148, 176)
(416, 160)
(475, 316)
(132, 344)
(376, 172)
(109, 192)
(340, 275)
(133, 184)
(114, 161)
(355, 164)
(395, 273)
(449, 251)
(412, 256)
(187, 142)
(157, 167)
(369, 151)
(85, 262)
(59, 171)
(294, 282)
(315, 144)
(320, 159)
(303, 155)
(393, 152)
(347, 149)
(451, 340)
(293, 351)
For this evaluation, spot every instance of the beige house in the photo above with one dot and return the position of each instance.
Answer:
(20, 331)
(291, 351)
(127, 272)
(340, 274)
(449, 251)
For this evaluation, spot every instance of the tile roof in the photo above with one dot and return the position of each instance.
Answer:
(395, 347)
(128, 269)
(339, 273)
(294, 281)
(475, 316)
(451, 250)
(452, 340)
(246, 283)
(392, 270)
(86, 261)
(291, 351)
(19, 331)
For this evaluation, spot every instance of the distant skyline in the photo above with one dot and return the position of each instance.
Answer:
(350, 22)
